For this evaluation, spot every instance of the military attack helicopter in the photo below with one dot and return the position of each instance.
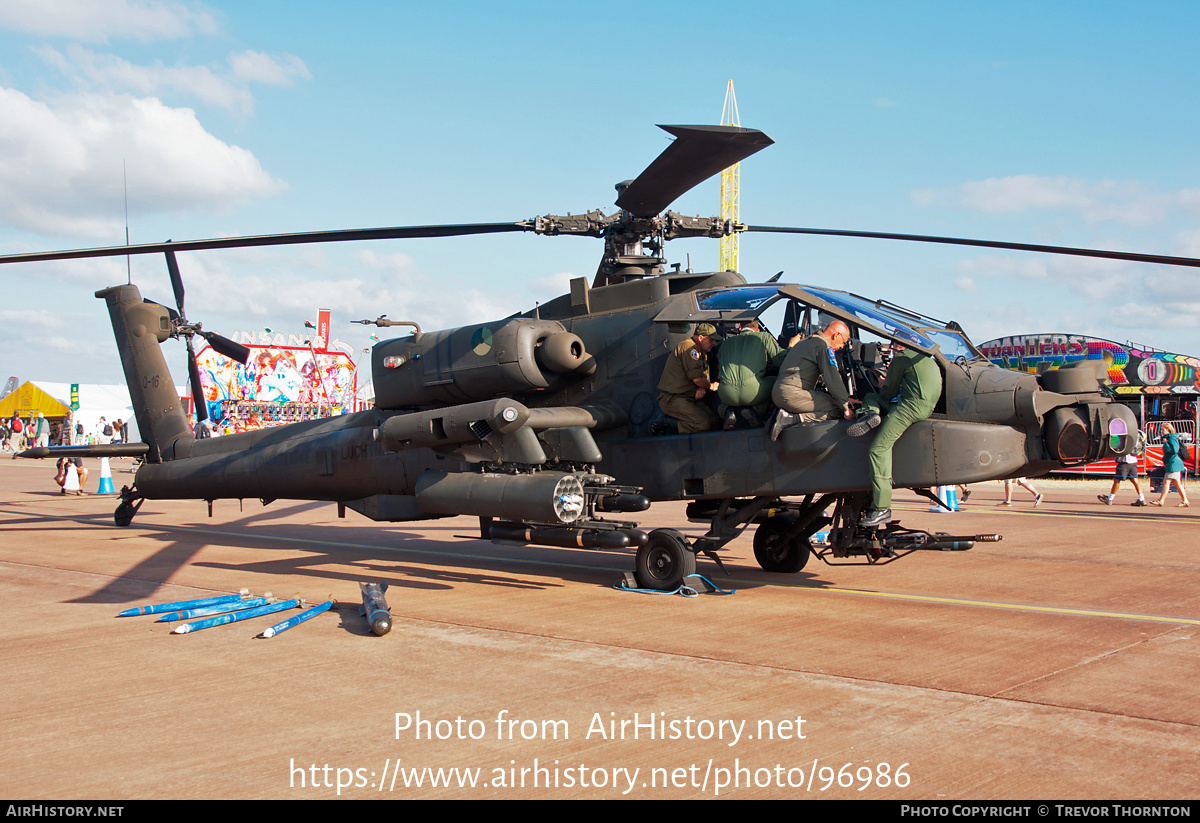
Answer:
(539, 423)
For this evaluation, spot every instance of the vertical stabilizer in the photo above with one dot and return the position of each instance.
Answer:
(139, 328)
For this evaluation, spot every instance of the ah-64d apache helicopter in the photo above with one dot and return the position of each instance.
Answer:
(539, 423)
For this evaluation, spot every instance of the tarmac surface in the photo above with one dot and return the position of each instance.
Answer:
(1061, 663)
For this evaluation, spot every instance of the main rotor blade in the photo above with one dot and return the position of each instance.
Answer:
(336, 236)
(697, 153)
(1136, 257)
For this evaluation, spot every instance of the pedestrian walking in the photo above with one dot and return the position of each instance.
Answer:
(1127, 469)
(1023, 483)
(1173, 465)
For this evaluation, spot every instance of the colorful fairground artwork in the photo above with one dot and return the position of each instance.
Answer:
(286, 378)
(1161, 387)
(1132, 369)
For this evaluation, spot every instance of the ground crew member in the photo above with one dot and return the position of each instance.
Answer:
(808, 366)
(745, 390)
(685, 382)
(916, 378)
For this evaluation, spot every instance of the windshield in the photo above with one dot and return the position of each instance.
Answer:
(953, 344)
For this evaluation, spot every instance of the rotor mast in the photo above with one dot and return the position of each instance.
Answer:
(730, 180)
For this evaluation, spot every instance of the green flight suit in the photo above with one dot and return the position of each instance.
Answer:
(744, 359)
(916, 378)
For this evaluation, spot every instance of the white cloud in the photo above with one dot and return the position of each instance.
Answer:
(60, 163)
(71, 342)
(1084, 276)
(923, 197)
(1188, 243)
(1129, 202)
(96, 22)
(256, 67)
(106, 72)
(1028, 268)
(92, 71)
(1145, 319)
(552, 286)
(251, 287)
(31, 318)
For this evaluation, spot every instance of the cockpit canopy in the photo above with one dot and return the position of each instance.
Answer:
(740, 304)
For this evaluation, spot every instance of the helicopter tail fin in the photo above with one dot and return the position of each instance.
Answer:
(140, 328)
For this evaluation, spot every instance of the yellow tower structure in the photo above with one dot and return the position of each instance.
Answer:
(729, 186)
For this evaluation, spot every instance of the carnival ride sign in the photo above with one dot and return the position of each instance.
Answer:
(1130, 369)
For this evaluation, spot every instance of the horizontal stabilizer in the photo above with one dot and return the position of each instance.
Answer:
(98, 450)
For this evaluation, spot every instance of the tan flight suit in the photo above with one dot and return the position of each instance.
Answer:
(809, 364)
(677, 391)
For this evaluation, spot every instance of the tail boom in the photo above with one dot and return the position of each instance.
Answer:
(140, 328)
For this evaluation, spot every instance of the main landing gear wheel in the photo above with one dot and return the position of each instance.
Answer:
(774, 552)
(664, 560)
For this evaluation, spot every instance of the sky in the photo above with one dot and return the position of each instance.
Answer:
(1067, 123)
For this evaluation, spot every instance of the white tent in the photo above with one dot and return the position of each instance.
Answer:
(95, 401)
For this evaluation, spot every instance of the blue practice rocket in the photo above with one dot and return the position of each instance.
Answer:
(234, 617)
(307, 614)
(182, 604)
(223, 608)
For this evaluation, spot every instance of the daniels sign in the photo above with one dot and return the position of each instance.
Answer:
(1129, 368)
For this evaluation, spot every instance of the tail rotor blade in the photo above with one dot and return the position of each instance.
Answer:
(227, 347)
(176, 280)
(197, 387)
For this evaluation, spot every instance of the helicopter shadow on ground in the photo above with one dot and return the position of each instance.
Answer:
(371, 547)
(21, 520)
(440, 541)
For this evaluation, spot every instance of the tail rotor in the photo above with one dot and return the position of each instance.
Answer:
(186, 330)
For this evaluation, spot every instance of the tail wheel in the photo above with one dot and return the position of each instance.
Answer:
(664, 560)
(127, 508)
(777, 553)
(124, 514)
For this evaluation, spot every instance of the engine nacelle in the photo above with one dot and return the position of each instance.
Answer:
(472, 363)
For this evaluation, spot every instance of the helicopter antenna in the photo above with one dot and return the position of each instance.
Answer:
(128, 264)
(730, 182)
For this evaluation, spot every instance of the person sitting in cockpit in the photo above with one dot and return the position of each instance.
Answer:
(745, 388)
(810, 387)
(685, 382)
